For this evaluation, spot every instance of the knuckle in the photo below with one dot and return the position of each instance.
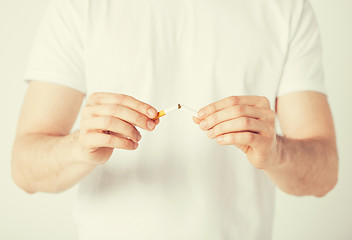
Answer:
(219, 129)
(113, 109)
(272, 116)
(81, 138)
(232, 138)
(238, 110)
(139, 119)
(212, 119)
(121, 98)
(84, 144)
(234, 100)
(250, 137)
(86, 111)
(83, 127)
(216, 131)
(108, 140)
(263, 98)
(140, 108)
(214, 108)
(107, 122)
(245, 122)
(119, 110)
(94, 97)
(126, 143)
(269, 128)
(265, 101)
(269, 116)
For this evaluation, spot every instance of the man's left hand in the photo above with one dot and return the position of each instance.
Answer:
(246, 122)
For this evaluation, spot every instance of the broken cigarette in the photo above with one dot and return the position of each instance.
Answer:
(172, 109)
(167, 111)
(190, 110)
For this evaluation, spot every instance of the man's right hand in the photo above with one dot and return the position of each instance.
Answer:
(109, 121)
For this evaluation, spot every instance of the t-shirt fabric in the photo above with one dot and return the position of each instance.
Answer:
(178, 184)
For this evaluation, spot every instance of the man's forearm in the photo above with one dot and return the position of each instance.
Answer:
(48, 163)
(305, 167)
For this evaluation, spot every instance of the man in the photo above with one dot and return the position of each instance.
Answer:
(242, 63)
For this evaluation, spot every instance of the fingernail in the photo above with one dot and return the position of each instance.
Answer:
(203, 124)
(139, 137)
(220, 139)
(201, 114)
(135, 145)
(210, 132)
(150, 125)
(152, 113)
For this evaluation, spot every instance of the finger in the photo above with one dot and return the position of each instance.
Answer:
(242, 139)
(157, 121)
(121, 99)
(242, 124)
(95, 140)
(233, 112)
(112, 124)
(121, 112)
(256, 101)
(196, 120)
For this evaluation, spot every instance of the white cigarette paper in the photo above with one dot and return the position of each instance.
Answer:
(176, 107)
(190, 110)
(171, 109)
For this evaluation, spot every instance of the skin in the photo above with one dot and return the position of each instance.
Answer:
(48, 158)
(303, 161)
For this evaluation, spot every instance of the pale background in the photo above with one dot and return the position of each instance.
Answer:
(48, 216)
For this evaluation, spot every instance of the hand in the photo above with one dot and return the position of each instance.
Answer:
(109, 121)
(246, 122)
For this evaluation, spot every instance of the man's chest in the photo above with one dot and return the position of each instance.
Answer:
(224, 46)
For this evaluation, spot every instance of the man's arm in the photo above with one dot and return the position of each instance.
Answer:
(43, 149)
(302, 162)
(308, 159)
(47, 157)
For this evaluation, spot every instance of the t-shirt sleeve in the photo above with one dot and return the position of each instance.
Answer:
(303, 69)
(57, 52)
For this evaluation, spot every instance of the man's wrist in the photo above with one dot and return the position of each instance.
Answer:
(277, 157)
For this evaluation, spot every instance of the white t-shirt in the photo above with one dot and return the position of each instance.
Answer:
(178, 184)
